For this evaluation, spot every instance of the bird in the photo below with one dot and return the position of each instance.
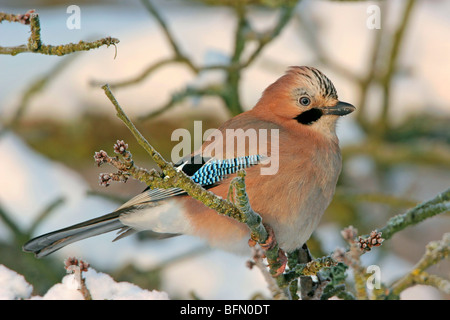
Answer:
(300, 109)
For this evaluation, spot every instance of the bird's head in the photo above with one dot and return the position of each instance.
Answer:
(304, 96)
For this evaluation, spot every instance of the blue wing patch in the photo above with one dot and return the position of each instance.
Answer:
(216, 170)
(206, 173)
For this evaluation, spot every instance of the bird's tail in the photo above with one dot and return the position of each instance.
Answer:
(44, 245)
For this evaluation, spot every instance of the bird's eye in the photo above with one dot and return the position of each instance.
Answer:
(304, 101)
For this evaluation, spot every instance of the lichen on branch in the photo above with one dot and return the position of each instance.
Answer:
(437, 205)
(435, 252)
(35, 44)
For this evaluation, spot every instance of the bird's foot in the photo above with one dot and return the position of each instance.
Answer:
(268, 244)
(281, 261)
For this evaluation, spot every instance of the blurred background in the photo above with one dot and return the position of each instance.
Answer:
(180, 61)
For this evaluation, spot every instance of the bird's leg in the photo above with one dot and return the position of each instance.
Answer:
(282, 261)
(269, 244)
(310, 289)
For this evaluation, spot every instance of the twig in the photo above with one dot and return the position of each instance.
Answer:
(352, 259)
(437, 205)
(77, 267)
(233, 3)
(242, 202)
(147, 71)
(172, 177)
(11, 225)
(45, 213)
(228, 92)
(352, 196)
(311, 268)
(178, 55)
(276, 291)
(286, 12)
(386, 153)
(255, 224)
(212, 90)
(435, 252)
(365, 83)
(35, 44)
(36, 87)
(386, 81)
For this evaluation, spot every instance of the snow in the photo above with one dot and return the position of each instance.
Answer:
(43, 180)
(100, 285)
(421, 292)
(13, 285)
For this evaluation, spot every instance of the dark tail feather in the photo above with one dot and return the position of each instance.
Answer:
(50, 242)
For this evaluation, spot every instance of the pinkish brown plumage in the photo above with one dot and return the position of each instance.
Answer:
(301, 109)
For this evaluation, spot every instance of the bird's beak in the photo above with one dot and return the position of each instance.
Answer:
(340, 109)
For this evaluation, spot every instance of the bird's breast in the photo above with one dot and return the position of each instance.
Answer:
(294, 200)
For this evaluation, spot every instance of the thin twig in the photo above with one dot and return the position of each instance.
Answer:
(36, 87)
(277, 292)
(437, 205)
(35, 44)
(212, 90)
(179, 56)
(386, 81)
(146, 72)
(171, 176)
(435, 252)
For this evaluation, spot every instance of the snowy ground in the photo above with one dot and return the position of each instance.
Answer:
(29, 181)
(100, 285)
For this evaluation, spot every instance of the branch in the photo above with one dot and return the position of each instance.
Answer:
(390, 154)
(228, 92)
(365, 83)
(242, 202)
(351, 196)
(212, 90)
(11, 225)
(36, 87)
(351, 258)
(435, 252)
(77, 267)
(439, 204)
(35, 44)
(277, 292)
(266, 37)
(172, 177)
(45, 213)
(311, 268)
(266, 3)
(147, 71)
(179, 56)
(392, 64)
(257, 229)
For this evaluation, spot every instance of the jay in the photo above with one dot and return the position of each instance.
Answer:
(302, 108)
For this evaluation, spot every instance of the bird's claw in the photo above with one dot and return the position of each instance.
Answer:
(282, 260)
(269, 244)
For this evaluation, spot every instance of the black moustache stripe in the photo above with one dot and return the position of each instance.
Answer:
(309, 117)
